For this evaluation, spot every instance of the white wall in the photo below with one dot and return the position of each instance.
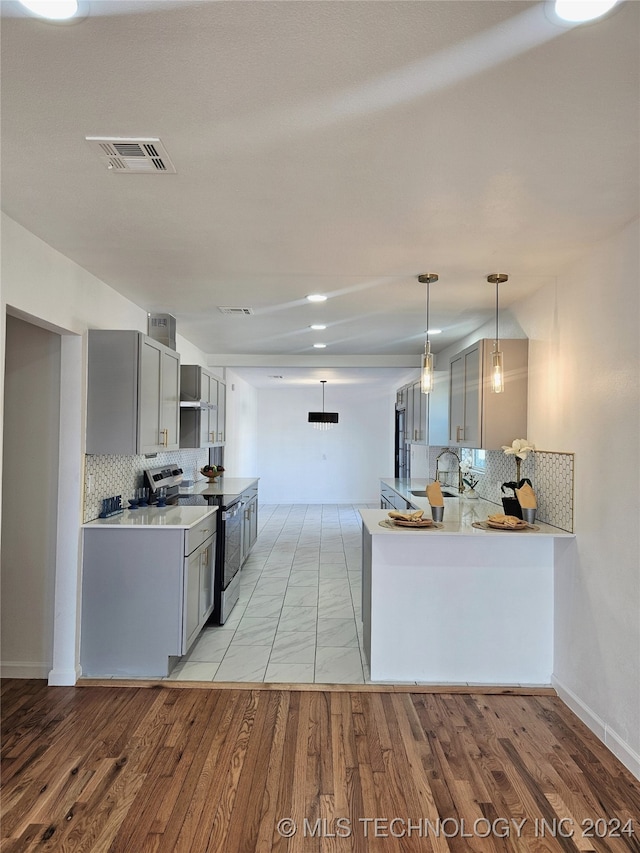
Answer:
(30, 451)
(42, 286)
(300, 464)
(241, 449)
(583, 396)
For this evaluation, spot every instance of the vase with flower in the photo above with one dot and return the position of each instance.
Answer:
(471, 482)
(520, 448)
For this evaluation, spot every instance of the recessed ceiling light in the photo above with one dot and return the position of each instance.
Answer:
(317, 297)
(320, 346)
(317, 327)
(55, 10)
(582, 10)
(434, 331)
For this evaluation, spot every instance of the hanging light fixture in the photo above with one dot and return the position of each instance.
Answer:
(426, 374)
(497, 366)
(323, 420)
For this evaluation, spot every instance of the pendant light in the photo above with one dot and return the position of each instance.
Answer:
(497, 365)
(426, 373)
(323, 420)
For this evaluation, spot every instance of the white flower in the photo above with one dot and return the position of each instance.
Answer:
(520, 448)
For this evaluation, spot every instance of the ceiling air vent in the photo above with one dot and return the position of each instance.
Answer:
(236, 311)
(132, 156)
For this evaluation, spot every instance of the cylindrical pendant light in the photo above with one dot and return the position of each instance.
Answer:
(496, 379)
(426, 372)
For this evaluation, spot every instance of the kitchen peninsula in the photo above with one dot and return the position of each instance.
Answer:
(458, 604)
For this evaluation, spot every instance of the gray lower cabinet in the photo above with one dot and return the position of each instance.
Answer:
(249, 521)
(389, 499)
(146, 595)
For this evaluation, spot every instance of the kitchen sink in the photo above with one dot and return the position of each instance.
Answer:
(423, 494)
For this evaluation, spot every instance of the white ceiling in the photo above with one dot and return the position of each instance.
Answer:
(334, 147)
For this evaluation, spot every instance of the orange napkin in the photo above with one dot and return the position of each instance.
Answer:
(526, 497)
(434, 493)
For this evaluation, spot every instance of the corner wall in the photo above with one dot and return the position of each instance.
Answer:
(584, 366)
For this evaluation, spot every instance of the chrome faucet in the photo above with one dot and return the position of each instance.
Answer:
(451, 453)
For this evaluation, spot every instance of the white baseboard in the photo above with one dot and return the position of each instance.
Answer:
(63, 677)
(628, 756)
(23, 669)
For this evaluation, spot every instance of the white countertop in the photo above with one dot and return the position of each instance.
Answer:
(459, 515)
(223, 486)
(167, 516)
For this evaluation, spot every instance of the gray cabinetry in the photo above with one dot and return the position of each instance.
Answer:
(477, 417)
(420, 401)
(202, 426)
(146, 595)
(249, 520)
(222, 412)
(199, 590)
(132, 394)
(386, 498)
(390, 499)
(418, 412)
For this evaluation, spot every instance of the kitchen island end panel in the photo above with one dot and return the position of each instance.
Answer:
(445, 607)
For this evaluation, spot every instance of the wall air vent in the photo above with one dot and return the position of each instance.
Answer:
(133, 156)
(236, 311)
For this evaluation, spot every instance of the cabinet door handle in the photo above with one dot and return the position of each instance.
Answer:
(459, 433)
(164, 441)
(213, 436)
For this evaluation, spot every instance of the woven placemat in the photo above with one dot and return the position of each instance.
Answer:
(482, 525)
(388, 523)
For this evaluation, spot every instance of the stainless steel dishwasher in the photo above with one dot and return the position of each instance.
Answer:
(227, 581)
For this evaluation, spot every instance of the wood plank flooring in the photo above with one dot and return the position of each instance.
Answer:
(154, 769)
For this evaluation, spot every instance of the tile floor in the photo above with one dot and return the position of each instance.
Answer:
(299, 615)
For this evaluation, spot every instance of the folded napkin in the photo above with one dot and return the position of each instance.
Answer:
(526, 497)
(407, 516)
(434, 494)
(506, 520)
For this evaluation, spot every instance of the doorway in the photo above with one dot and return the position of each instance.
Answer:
(41, 500)
(29, 497)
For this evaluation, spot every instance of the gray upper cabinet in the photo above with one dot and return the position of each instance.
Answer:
(132, 394)
(477, 417)
(222, 410)
(201, 427)
(412, 400)
(416, 406)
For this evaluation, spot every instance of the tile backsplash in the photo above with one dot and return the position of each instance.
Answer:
(551, 473)
(122, 475)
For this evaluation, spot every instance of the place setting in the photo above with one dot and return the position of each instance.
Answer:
(409, 520)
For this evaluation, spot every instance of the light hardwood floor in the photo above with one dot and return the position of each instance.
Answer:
(183, 769)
